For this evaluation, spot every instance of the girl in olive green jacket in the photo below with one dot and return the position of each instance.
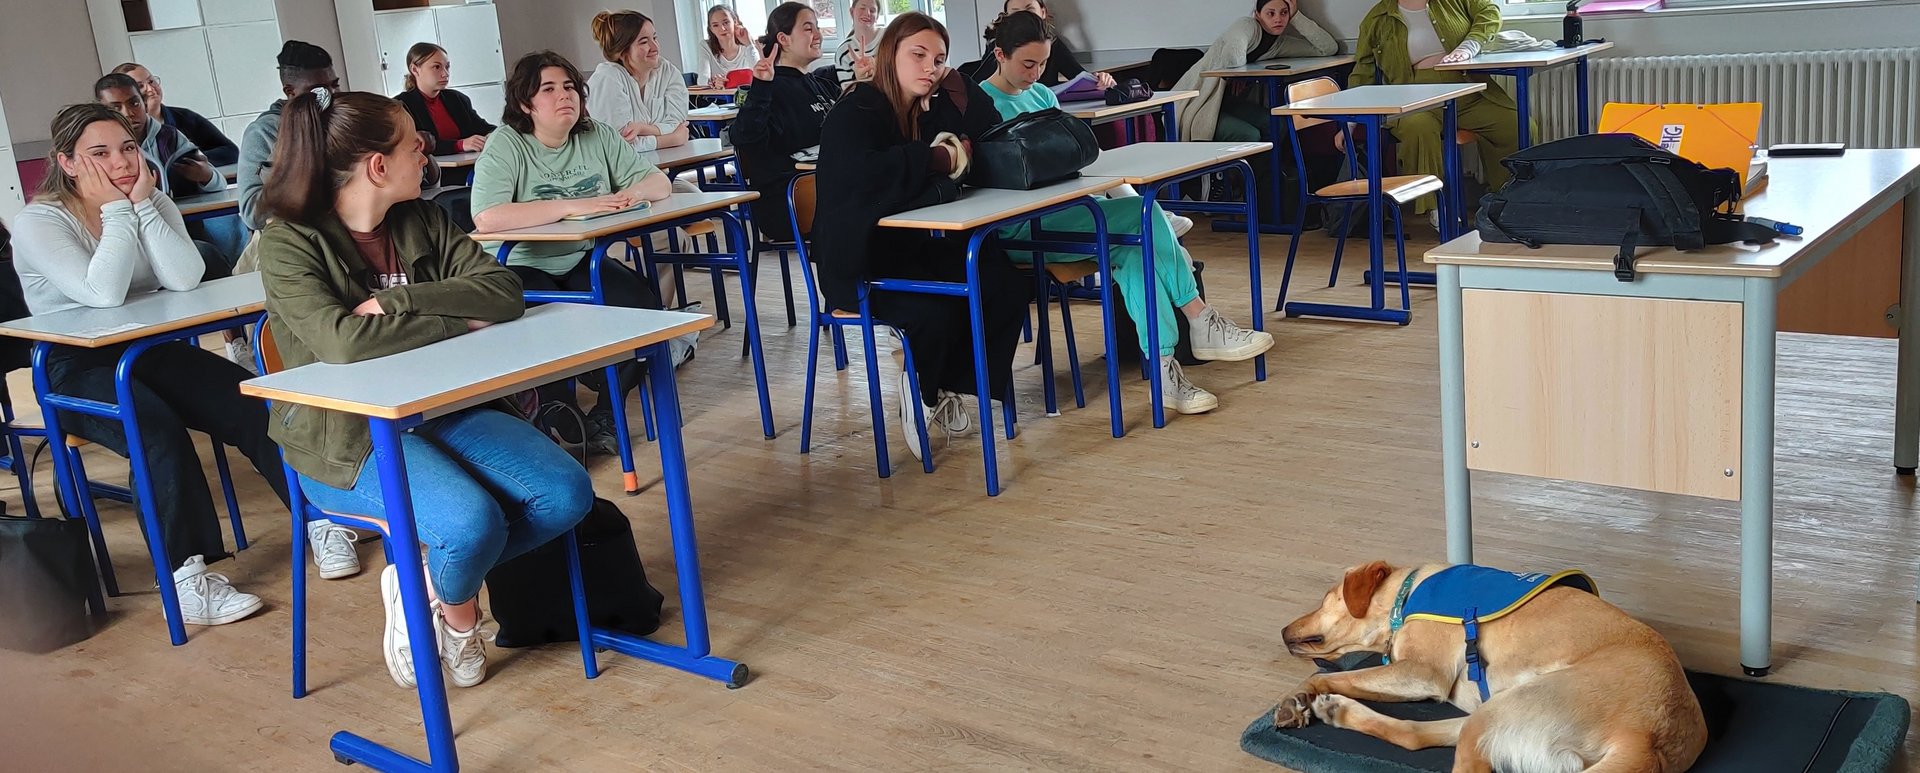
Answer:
(356, 266)
(1401, 41)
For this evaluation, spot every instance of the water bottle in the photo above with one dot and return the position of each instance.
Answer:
(1572, 31)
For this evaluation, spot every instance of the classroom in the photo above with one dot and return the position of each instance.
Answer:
(753, 385)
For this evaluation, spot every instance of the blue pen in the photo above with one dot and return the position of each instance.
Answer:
(1785, 229)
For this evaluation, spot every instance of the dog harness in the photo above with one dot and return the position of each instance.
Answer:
(1456, 594)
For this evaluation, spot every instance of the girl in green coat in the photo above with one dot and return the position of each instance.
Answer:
(1402, 41)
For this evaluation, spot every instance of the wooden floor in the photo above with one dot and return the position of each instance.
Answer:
(1116, 609)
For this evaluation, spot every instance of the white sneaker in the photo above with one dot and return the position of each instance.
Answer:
(909, 428)
(394, 642)
(464, 653)
(240, 350)
(207, 598)
(1217, 338)
(1181, 224)
(1179, 393)
(333, 551)
(951, 414)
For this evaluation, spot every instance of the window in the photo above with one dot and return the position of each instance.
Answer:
(1518, 8)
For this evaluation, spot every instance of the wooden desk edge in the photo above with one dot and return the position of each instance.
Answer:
(1412, 107)
(735, 197)
(1157, 102)
(468, 391)
(936, 225)
(1335, 60)
(125, 336)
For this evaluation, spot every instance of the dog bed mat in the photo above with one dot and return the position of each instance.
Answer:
(1751, 726)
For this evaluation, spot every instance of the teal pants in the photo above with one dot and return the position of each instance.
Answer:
(1173, 279)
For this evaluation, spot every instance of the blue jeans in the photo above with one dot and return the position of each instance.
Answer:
(485, 486)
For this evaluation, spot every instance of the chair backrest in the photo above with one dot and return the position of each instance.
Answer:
(1308, 89)
(266, 349)
(803, 202)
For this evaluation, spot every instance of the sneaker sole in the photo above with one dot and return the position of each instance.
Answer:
(1247, 352)
(1190, 409)
(335, 574)
(390, 594)
(230, 617)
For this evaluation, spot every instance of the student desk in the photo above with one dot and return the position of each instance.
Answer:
(142, 323)
(677, 210)
(699, 154)
(1150, 167)
(723, 95)
(459, 164)
(982, 212)
(1370, 106)
(1550, 367)
(399, 391)
(1098, 112)
(713, 119)
(1275, 75)
(206, 206)
(1522, 64)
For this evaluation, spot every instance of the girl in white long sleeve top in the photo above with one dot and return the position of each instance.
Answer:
(637, 90)
(98, 234)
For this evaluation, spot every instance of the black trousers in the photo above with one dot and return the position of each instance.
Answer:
(624, 287)
(938, 327)
(176, 387)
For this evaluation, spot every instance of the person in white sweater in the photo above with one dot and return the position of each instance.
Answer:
(723, 52)
(97, 234)
(855, 60)
(636, 91)
(1276, 30)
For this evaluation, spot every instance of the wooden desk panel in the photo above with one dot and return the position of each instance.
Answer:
(1853, 291)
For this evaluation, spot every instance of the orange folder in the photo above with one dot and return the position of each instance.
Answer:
(1717, 136)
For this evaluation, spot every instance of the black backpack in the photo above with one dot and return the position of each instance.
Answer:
(1614, 189)
(532, 599)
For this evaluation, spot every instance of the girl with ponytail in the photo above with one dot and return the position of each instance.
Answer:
(98, 234)
(357, 266)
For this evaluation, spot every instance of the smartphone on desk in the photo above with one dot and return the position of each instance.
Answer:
(640, 207)
(1279, 67)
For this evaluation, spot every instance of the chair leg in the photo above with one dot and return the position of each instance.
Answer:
(839, 347)
(1293, 251)
(226, 488)
(919, 408)
(1340, 243)
(582, 621)
(1043, 342)
(82, 494)
(786, 287)
(813, 365)
(1400, 246)
(877, 407)
(1073, 348)
(299, 570)
(646, 408)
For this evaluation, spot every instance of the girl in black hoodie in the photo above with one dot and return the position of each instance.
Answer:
(890, 146)
(782, 113)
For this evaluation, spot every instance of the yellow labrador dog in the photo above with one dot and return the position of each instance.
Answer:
(1571, 682)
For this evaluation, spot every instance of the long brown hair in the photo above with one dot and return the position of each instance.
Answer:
(321, 138)
(615, 31)
(886, 71)
(68, 125)
(418, 55)
(524, 82)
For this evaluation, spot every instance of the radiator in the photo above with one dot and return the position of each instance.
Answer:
(1867, 98)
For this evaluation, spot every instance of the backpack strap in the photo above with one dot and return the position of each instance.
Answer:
(1675, 205)
(1491, 213)
(1629, 242)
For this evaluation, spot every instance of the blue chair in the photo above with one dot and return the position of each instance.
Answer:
(1397, 191)
(801, 199)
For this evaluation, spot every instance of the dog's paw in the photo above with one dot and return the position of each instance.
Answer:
(1333, 709)
(1295, 711)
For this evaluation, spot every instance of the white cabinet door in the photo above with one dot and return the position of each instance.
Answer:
(173, 14)
(236, 11)
(396, 32)
(488, 100)
(180, 58)
(243, 65)
(471, 35)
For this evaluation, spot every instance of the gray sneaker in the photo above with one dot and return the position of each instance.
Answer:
(207, 598)
(1180, 394)
(1217, 338)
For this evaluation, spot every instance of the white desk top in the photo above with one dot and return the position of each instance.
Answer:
(980, 206)
(550, 342)
(1826, 196)
(151, 314)
(1546, 58)
(1295, 66)
(456, 160)
(675, 206)
(1098, 64)
(716, 113)
(1381, 100)
(695, 152)
(209, 202)
(1146, 162)
(1094, 109)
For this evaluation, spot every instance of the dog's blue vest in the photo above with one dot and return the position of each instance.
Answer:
(1458, 594)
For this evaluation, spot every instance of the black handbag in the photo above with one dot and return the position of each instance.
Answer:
(1031, 150)
(532, 599)
(48, 581)
(1129, 91)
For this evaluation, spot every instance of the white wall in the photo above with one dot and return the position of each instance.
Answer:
(564, 26)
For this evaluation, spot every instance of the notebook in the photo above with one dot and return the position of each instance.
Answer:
(639, 207)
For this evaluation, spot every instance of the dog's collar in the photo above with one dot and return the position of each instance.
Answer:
(1399, 615)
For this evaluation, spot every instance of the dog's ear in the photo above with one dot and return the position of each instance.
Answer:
(1359, 585)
